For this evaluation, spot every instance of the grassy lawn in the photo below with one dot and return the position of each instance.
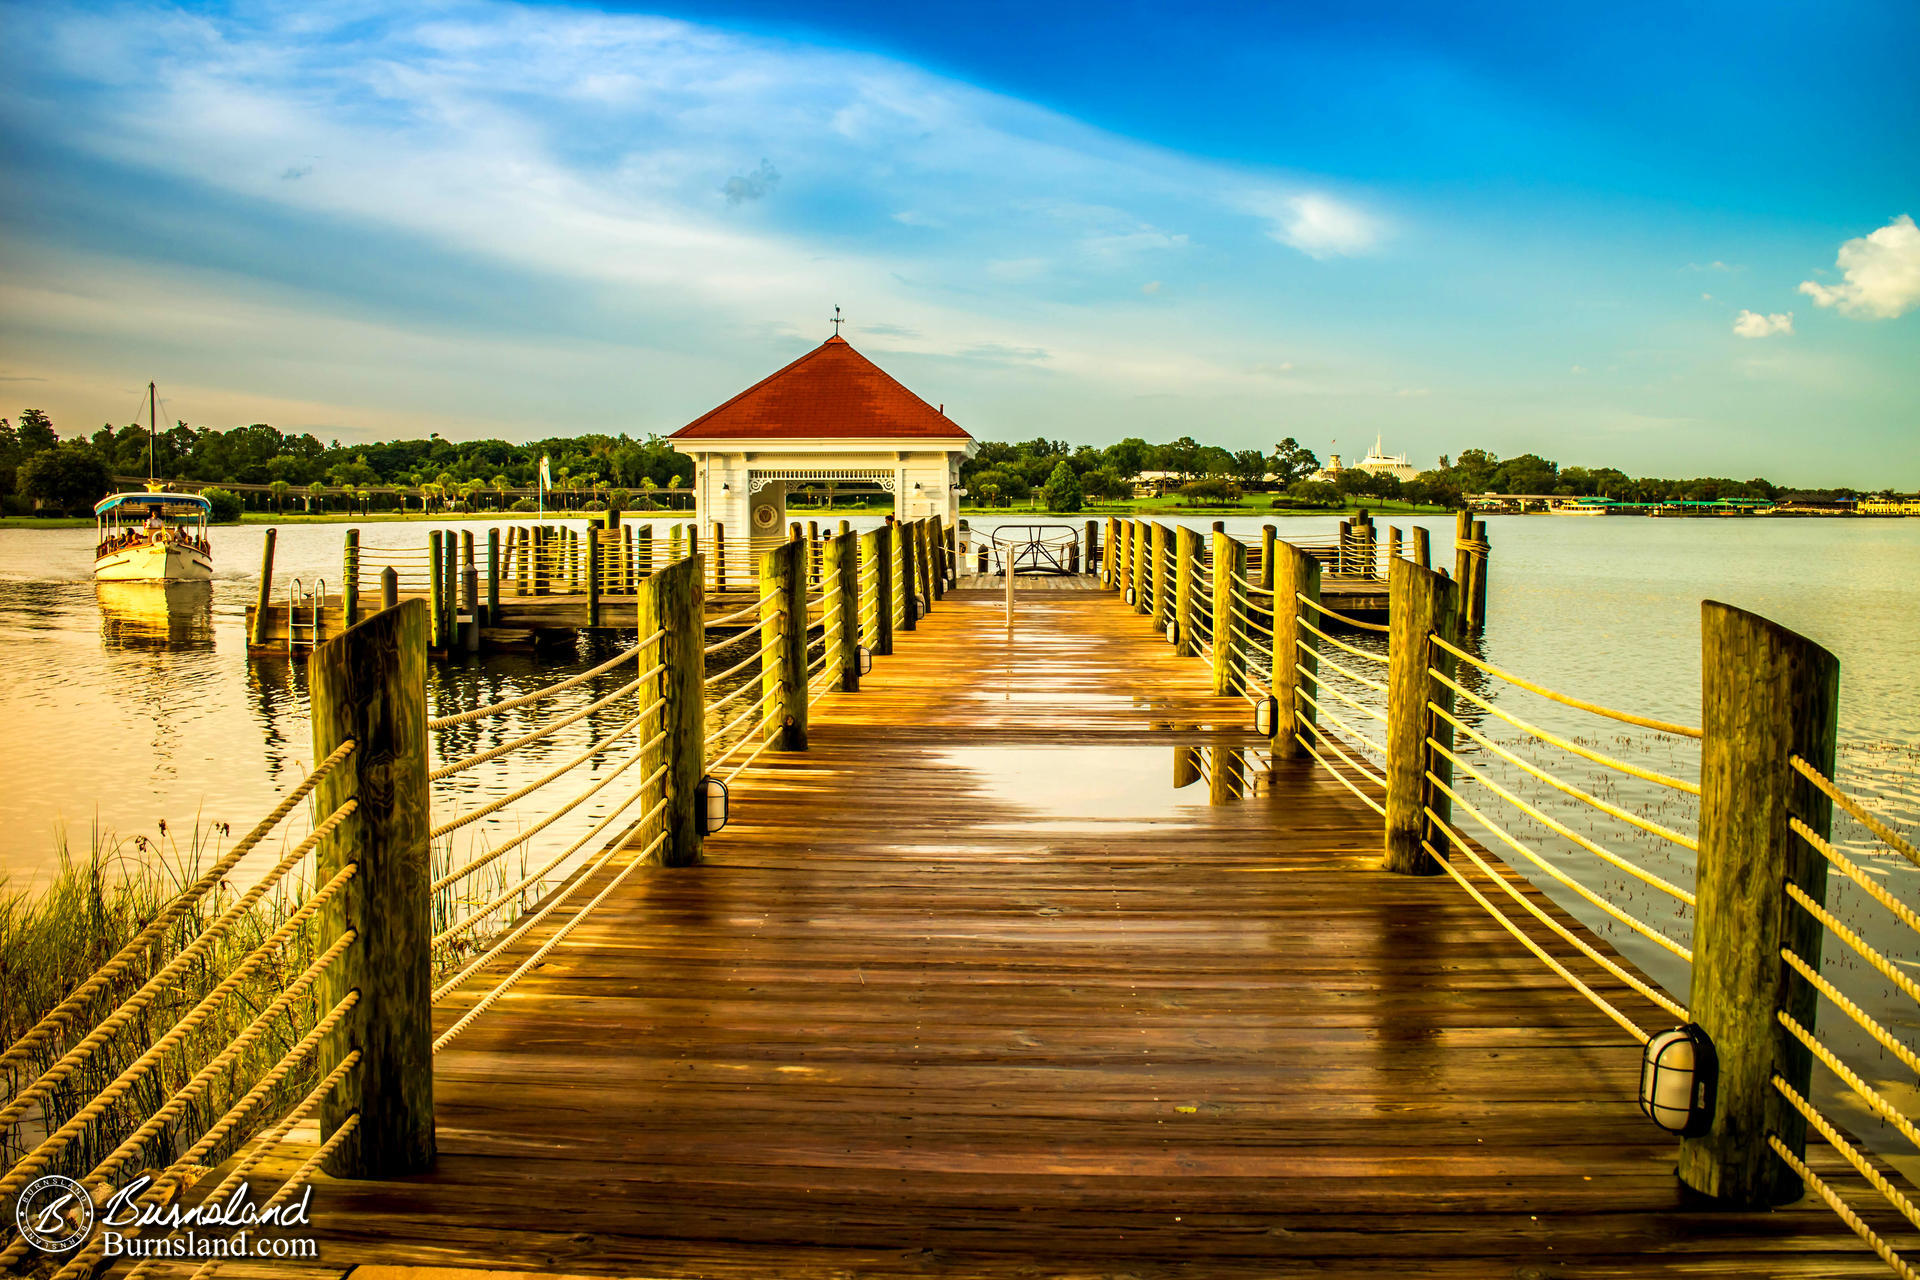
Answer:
(1172, 505)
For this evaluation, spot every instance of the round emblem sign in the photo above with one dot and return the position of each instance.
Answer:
(54, 1214)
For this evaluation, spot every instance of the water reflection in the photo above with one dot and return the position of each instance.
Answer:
(155, 615)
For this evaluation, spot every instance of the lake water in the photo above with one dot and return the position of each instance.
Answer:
(127, 708)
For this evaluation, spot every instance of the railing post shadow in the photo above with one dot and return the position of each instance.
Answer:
(1295, 574)
(369, 686)
(783, 634)
(1767, 694)
(1420, 605)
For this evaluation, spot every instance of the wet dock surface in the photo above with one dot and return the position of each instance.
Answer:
(1008, 976)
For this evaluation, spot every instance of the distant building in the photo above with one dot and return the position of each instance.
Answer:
(1895, 505)
(1329, 473)
(1381, 463)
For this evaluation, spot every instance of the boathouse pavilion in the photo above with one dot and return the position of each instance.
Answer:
(833, 415)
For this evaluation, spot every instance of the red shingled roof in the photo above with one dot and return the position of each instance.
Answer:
(831, 393)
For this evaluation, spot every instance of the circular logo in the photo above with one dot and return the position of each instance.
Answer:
(54, 1214)
(766, 517)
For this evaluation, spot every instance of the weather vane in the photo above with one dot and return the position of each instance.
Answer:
(837, 321)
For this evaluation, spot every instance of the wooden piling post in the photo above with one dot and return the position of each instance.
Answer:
(1419, 605)
(939, 567)
(1229, 562)
(264, 600)
(1269, 537)
(903, 579)
(783, 633)
(1295, 574)
(1422, 547)
(436, 589)
(1767, 695)
(369, 686)
(350, 579)
(1477, 607)
(1108, 574)
(1142, 557)
(1393, 542)
(883, 589)
(671, 602)
(719, 557)
(1462, 534)
(840, 579)
(873, 603)
(1186, 566)
(450, 597)
(493, 577)
(389, 587)
(593, 576)
(1156, 593)
(816, 560)
(643, 550)
(1343, 555)
(470, 600)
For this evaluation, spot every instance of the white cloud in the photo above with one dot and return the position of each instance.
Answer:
(1882, 273)
(1317, 224)
(751, 186)
(1150, 288)
(1751, 324)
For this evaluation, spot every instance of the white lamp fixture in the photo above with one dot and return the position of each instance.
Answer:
(1173, 631)
(865, 659)
(1129, 595)
(1266, 713)
(1679, 1075)
(713, 800)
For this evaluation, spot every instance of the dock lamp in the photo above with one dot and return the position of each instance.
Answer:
(1129, 595)
(1173, 631)
(1266, 715)
(713, 797)
(1679, 1072)
(863, 659)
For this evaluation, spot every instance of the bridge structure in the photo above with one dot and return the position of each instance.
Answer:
(1177, 924)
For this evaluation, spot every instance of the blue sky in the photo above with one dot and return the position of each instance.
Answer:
(1679, 242)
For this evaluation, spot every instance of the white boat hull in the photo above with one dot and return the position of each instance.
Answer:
(165, 562)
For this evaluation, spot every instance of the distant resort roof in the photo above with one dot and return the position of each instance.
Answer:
(831, 393)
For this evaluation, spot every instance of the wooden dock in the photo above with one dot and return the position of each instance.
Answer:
(970, 988)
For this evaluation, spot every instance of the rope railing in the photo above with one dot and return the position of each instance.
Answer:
(1625, 717)
(1335, 615)
(527, 699)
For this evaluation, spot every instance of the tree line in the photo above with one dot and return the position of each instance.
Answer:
(39, 470)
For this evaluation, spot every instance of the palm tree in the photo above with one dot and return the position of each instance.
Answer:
(646, 487)
(315, 491)
(830, 486)
(500, 486)
(280, 489)
(429, 492)
(366, 501)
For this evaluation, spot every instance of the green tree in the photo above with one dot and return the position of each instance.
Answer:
(1062, 491)
(1214, 490)
(279, 489)
(1291, 462)
(70, 477)
(315, 492)
(225, 503)
(35, 433)
(500, 485)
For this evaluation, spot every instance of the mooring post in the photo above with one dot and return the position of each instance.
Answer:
(389, 587)
(264, 600)
(940, 568)
(1156, 596)
(783, 633)
(671, 602)
(593, 576)
(1419, 606)
(436, 588)
(840, 578)
(493, 577)
(1186, 565)
(643, 550)
(466, 550)
(1477, 611)
(1295, 574)
(1767, 695)
(1422, 547)
(450, 598)
(1393, 542)
(1123, 570)
(350, 579)
(718, 554)
(1269, 536)
(903, 578)
(883, 589)
(1142, 557)
(470, 600)
(1106, 552)
(1229, 562)
(1343, 553)
(1462, 535)
(871, 601)
(369, 687)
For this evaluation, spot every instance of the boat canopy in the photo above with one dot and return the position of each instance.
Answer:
(167, 504)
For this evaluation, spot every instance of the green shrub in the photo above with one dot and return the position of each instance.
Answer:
(225, 503)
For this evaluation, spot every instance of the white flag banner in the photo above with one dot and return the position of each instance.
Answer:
(546, 476)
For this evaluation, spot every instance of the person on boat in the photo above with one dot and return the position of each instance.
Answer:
(154, 524)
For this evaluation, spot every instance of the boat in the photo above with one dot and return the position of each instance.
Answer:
(152, 536)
